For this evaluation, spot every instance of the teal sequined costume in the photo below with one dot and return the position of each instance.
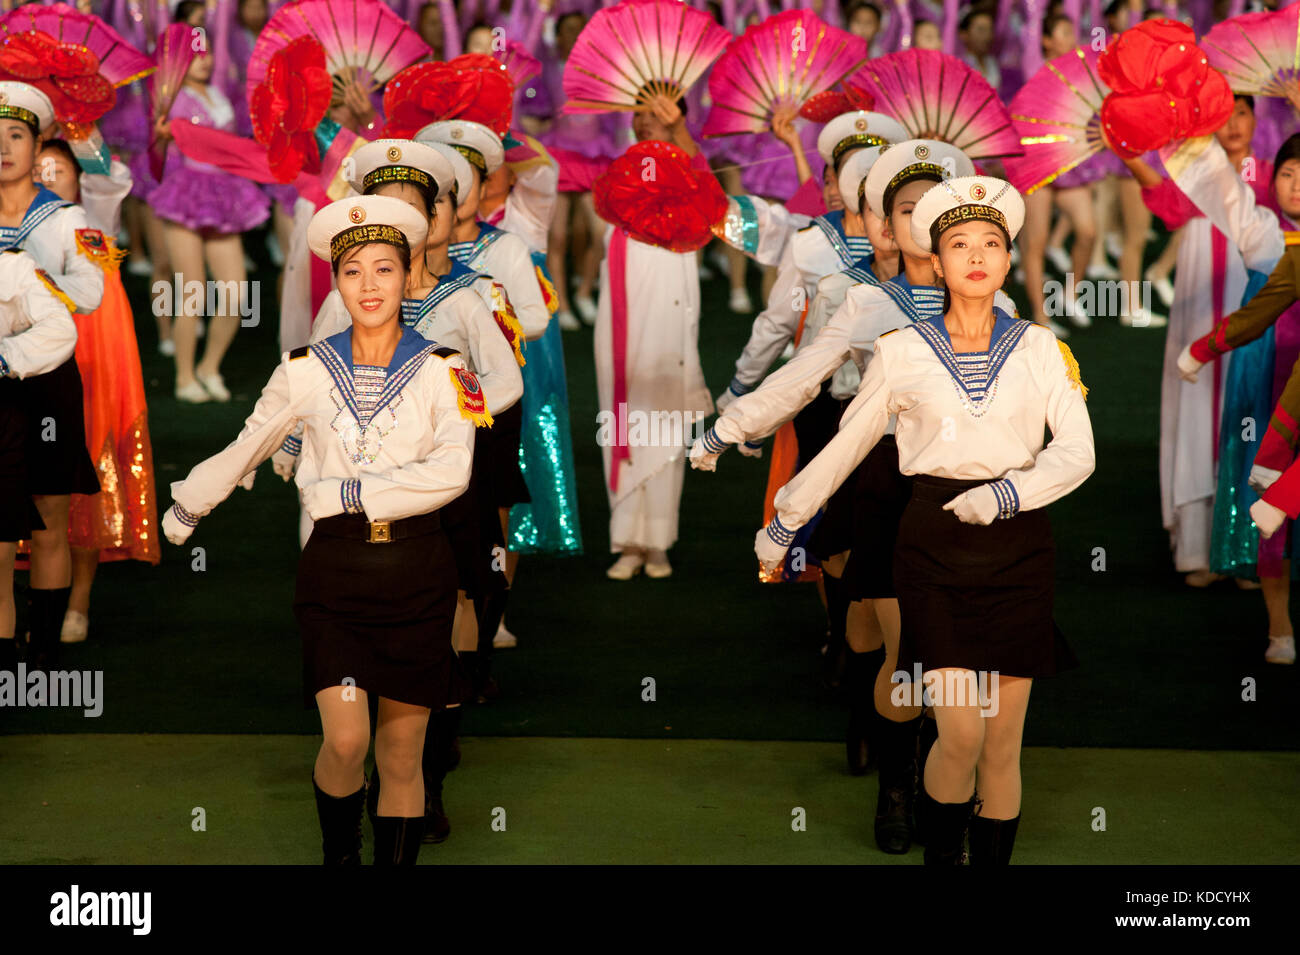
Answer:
(548, 524)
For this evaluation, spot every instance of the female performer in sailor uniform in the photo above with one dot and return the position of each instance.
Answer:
(388, 433)
(973, 391)
(862, 517)
(55, 232)
(37, 336)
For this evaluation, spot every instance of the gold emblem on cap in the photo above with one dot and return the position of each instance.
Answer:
(922, 151)
(357, 215)
(860, 125)
(394, 154)
(977, 192)
(457, 133)
(4, 97)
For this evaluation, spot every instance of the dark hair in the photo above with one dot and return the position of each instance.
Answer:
(63, 149)
(863, 5)
(1052, 21)
(1290, 149)
(185, 9)
(428, 193)
(965, 22)
(478, 25)
(403, 253)
(572, 13)
(1114, 7)
(922, 22)
(1244, 98)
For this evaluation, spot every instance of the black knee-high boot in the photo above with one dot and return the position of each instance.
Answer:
(443, 728)
(340, 825)
(926, 738)
(489, 612)
(945, 824)
(860, 672)
(48, 609)
(897, 763)
(991, 840)
(837, 611)
(372, 785)
(397, 839)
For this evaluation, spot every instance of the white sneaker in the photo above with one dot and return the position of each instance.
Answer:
(200, 329)
(1104, 271)
(76, 625)
(167, 348)
(586, 308)
(740, 301)
(193, 394)
(1114, 247)
(626, 567)
(1141, 318)
(139, 266)
(1076, 314)
(215, 386)
(1280, 649)
(657, 566)
(1165, 289)
(1060, 259)
(567, 322)
(504, 639)
(1060, 331)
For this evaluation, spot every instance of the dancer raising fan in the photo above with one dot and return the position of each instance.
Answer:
(974, 574)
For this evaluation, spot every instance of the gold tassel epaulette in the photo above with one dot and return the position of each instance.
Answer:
(1072, 368)
(508, 321)
(57, 292)
(100, 249)
(470, 397)
(1291, 238)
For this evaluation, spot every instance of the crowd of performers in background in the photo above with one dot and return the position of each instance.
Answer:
(525, 153)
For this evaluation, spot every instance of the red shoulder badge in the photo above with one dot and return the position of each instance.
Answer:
(469, 395)
(100, 249)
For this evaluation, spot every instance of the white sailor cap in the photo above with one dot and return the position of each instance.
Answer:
(462, 171)
(901, 163)
(964, 199)
(858, 128)
(853, 177)
(357, 220)
(24, 102)
(401, 160)
(474, 141)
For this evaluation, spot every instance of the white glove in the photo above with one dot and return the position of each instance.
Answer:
(728, 396)
(979, 505)
(174, 529)
(1187, 365)
(770, 554)
(1266, 517)
(754, 450)
(1262, 478)
(284, 464)
(706, 450)
(246, 482)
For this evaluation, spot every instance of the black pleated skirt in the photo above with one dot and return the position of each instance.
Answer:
(974, 596)
(473, 529)
(57, 459)
(879, 495)
(18, 515)
(814, 426)
(497, 449)
(379, 617)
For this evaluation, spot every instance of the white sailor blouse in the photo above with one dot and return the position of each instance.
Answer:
(453, 314)
(506, 258)
(388, 443)
(813, 253)
(37, 333)
(971, 416)
(759, 228)
(58, 237)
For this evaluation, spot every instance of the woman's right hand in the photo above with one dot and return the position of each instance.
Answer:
(162, 129)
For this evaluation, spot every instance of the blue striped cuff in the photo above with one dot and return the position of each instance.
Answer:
(184, 516)
(712, 443)
(753, 445)
(4, 367)
(1008, 499)
(738, 388)
(350, 492)
(779, 533)
(293, 445)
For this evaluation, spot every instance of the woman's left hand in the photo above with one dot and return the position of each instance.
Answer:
(979, 505)
(356, 99)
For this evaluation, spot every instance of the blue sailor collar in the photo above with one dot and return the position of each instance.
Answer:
(848, 248)
(461, 276)
(975, 373)
(45, 204)
(468, 251)
(917, 302)
(335, 353)
(862, 271)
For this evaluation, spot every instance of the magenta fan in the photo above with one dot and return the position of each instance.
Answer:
(361, 38)
(1257, 52)
(638, 49)
(176, 49)
(783, 61)
(936, 96)
(119, 62)
(1057, 115)
(522, 66)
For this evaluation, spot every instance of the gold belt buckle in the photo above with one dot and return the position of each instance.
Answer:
(381, 532)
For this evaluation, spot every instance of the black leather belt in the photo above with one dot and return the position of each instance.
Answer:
(356, 527)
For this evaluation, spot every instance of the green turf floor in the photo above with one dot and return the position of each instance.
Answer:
(130, 799)
(216, 651)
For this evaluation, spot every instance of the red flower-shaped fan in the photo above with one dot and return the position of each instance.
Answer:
(655, 195)
(473, 87)
(825, 106)
(67, 74)
(287, 106)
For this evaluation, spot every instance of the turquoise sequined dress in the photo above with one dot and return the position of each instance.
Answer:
(548, 524)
